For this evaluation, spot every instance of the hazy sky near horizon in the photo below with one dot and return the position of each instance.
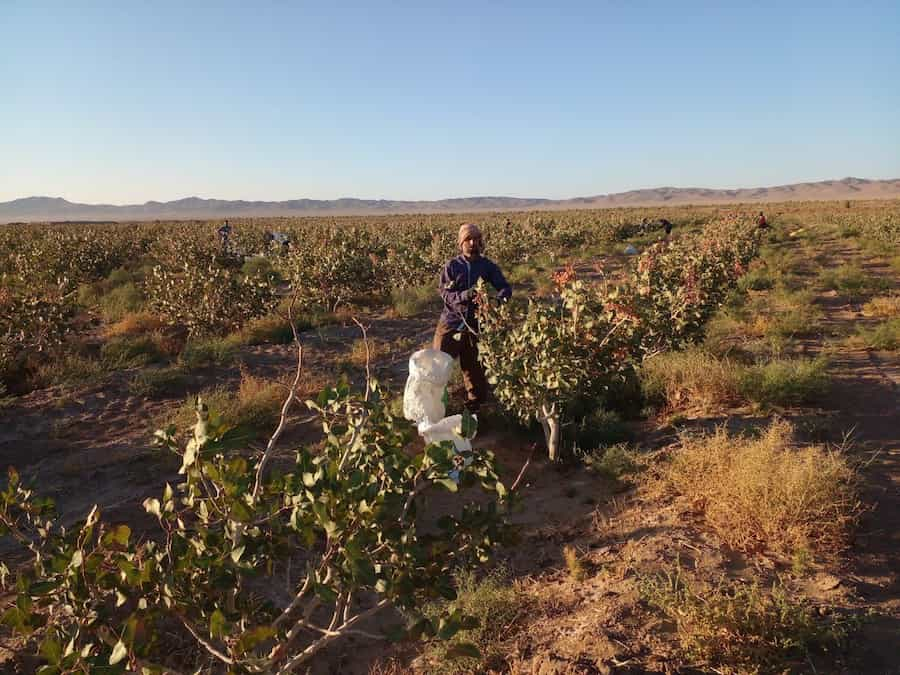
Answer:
(124, 102)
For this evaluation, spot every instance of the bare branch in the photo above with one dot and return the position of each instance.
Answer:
(329, 637)
(338, 611)
(206, 644)
(292, 394)
(298, 598)
(368, 355)
(524, 467)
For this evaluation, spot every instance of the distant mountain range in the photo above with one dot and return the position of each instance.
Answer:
(42, 209)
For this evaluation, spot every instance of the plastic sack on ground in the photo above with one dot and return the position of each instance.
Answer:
(630, 250)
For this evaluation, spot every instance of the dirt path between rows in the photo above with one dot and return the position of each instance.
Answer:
(865, 395)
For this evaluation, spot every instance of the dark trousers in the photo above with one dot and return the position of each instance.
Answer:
(465, 348)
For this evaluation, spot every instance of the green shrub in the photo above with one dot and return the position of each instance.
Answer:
(784, 382)
(121, 300)
(87, 295)
(269, 329)
(736, 627)
(157, 382)
(225, 521)
(615, 462)
(120, 276)
(851, 281)
(600, 428)
(885, 336)
(496, 604)
(130, 351)
(257, 266)
(213, 351)
(413, 300)
(69, 369)
(207, 297)
(756, 280)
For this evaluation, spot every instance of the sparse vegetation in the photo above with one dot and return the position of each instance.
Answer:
(157, 382)
(785, 382)
(269, 329)
(691, 379)
(884, 336)
(616, 462)
(764, 493)
(255, 405)
(574, 564)
(497, 604)
(131, 351)
(698, 380)
(741, 627)
(885, 307)
(851, 281)
(71, 369)
(206, 352)
(413, 300)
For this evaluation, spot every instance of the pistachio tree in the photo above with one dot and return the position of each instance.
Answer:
(260, 565)
(543, 357)
(546, 356)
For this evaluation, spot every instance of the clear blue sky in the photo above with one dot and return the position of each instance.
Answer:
(126, 101)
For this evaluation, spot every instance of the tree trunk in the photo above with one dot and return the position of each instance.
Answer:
(550, 422)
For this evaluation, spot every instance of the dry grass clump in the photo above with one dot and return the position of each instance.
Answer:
(69, 369)
(498, 605)
(255, 405)
(698, 380)
(885, 306)
(259, 402)
(360, 352)
(131, 351)
(743, 628)
(135, 323)
(693, 378)
(211, 351)
(269, 329)
(885, 336)
(765, 494)
(574, 564)
(783, 313)
(157, 382)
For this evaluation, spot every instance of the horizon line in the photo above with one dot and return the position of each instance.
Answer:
(444, 199)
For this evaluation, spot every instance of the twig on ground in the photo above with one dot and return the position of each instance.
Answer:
(524, 468)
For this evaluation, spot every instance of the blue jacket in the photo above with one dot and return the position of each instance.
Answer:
(458, 288)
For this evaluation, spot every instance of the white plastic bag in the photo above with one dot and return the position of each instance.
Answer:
(447, 429)
(423, 398)
(423, 401)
